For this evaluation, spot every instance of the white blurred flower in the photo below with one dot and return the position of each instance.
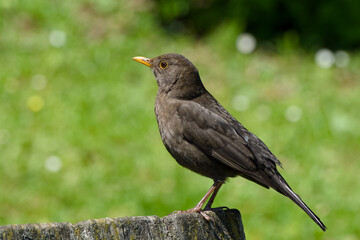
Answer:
(324, 58)
(340, 123)
(342, 59)
(53, 164)
(57, 38)
(241, 103)
(38, 82)
(245, 43)
(293, 113)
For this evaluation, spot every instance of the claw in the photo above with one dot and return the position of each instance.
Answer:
(195, 210)
(207, 217)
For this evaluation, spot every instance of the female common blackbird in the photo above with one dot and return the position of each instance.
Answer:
(203, 137)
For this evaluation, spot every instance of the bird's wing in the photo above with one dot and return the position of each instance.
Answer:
(226, 140)
(216, 137)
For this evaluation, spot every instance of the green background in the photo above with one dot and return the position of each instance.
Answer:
(96, 115)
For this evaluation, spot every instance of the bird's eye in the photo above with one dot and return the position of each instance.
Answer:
(163, 64)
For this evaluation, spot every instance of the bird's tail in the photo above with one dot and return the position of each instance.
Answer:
(285, 189)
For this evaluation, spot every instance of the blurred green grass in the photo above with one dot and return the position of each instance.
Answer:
(95, 114)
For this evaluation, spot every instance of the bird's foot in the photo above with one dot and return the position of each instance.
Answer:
(196, 210)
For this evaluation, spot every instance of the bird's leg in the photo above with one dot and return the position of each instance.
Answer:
(213, 190)
(216, 190)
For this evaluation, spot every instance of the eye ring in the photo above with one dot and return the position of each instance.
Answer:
(163, 64)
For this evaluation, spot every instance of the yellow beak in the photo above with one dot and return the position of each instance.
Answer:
(143, 60)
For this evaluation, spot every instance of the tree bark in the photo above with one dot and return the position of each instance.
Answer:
(225, 224)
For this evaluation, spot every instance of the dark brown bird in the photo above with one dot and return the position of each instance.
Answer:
(203, 137)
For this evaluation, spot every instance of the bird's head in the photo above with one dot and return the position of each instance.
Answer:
(175, 75)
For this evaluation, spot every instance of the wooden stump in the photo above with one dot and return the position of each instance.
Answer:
(226, 224)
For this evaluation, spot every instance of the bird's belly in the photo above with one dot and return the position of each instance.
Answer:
(189, 156)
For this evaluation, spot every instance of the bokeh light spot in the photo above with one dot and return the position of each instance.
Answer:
(342, 59)
(324, 58)
(38, 82)
(293, 113)
(35, 103)
(53, 164)
(340, 123)
(241, 103)
(246, 43)
(57, 38)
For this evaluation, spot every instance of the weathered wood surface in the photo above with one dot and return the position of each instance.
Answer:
(226, 224)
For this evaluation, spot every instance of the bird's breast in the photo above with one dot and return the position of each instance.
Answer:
(168, 120)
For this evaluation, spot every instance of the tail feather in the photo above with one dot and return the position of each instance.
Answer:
(285, 189)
